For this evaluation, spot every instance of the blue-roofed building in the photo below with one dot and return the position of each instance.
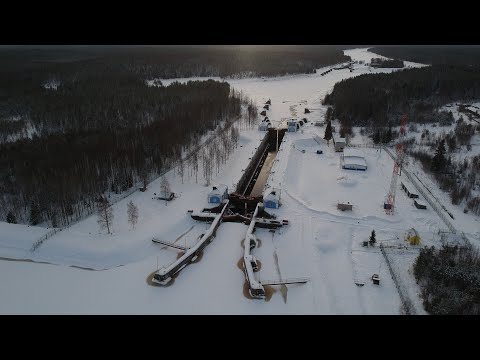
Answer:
(218, 194)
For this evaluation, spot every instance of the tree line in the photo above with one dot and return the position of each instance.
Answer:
(380, 99)
(386, 63)
(101, 134)
(55, 66)
(432, 54)
(450, 279)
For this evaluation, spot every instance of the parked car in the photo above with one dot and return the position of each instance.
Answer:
(319, 151)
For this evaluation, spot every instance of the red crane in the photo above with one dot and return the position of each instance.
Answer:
(397, 166)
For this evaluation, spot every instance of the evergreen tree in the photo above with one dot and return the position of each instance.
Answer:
(328, 132)
(439, 160)
(11, 219)
(452, 143)
(165, 188)
(376, 137)
(329, 114)
(373, 240)
(388, 136)
(35, 216)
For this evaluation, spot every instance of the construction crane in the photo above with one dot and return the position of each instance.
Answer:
(389, 205)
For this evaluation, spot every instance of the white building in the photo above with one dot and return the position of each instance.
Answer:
(218, 194)
(272, 199)
(353, 159)
(264, 126)
(293, 125)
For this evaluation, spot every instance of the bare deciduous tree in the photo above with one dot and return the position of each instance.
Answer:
(165, 188)
(235, 135)
(105, 214)
(181, 168)
(194, 163)
(132, 212)
(207, 165)
(144, 178)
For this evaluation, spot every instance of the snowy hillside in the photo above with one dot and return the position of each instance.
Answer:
(91, 272)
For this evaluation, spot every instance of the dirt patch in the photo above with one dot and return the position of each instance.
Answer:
(240, 263)
(151, 283)
(246, 293)
(284, 292)
(199, 258)
(269, 291)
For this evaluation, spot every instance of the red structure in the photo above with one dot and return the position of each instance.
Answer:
(389, 206)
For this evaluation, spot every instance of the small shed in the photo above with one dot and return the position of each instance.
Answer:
(376, 279)
(272, 199)
(408, 191)
(218, 194)
(419, 204)
(344, 206)
(412, 237)
(292, 125)
(339, 143)
(264, 125)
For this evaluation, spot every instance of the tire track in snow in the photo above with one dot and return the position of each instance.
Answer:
(283, 287)
(313, 265)
(359, 293)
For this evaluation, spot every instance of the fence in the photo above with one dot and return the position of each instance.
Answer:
(406, 303)
(370, 146)
(40, 241)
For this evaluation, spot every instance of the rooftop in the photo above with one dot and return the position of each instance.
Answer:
(218, 189)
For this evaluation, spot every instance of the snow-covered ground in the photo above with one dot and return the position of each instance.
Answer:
(16, 240)
(321, 242)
